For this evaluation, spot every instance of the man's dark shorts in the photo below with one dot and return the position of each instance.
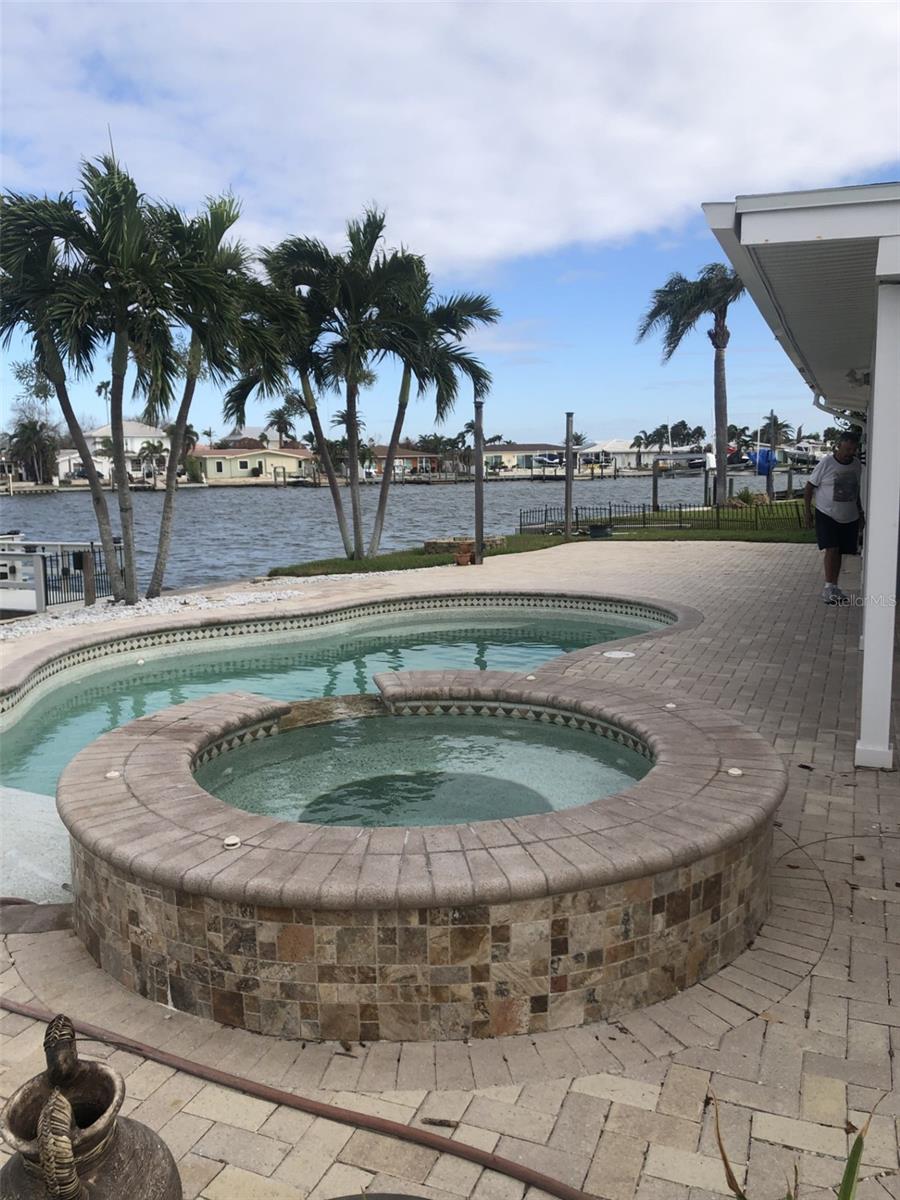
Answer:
(835, 535)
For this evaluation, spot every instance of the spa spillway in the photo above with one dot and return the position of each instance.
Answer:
(596, 851)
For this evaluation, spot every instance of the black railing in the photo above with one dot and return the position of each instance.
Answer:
(65, 571)
(552, 518)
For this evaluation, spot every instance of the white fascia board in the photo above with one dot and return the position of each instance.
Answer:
(842, 222)
(856, 193)
(887, 266)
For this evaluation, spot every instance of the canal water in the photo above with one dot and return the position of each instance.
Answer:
(232, 533)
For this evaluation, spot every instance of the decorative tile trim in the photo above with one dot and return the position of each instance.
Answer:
(231, 741)
(522, 712)
(254, 627)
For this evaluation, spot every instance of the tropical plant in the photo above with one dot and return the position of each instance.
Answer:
(153, 455)
(773, 428)
(676, 308)
(35, 271)
(189, 439)
(210, 434)
(351, 311)
(739, 436)
(579, 439)
(640, 442)
(33, 444)
(281, 419)
(213, 314)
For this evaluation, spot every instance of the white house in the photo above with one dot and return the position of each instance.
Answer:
(823, 268)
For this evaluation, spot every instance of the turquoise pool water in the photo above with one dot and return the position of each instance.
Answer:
(303, 666)
(440, 770)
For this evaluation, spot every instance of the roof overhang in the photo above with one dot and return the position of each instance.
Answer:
(812, 262)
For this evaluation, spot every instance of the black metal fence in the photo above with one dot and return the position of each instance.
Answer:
(552, 518)
(68, 570)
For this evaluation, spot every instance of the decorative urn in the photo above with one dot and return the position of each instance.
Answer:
(68, 1139)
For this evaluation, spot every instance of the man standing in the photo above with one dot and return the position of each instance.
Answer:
(839, 515)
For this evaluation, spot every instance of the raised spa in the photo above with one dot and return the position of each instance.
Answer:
(472, 928)
(413, 771)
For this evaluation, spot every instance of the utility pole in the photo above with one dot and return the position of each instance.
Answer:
(479, 482)
(570, 473)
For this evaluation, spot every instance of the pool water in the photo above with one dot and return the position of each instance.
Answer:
(304, 666)
(441, 770)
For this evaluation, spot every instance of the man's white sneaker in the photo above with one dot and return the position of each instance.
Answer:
(828, 594)
(839, 596)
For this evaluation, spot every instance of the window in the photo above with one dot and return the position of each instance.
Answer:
(219, 466)
(242, 464)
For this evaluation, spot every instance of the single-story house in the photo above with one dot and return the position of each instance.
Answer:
(236, 466)
(406, 461)
(823, 268)
(522, 456)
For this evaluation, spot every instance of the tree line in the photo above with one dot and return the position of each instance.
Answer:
(170, 298)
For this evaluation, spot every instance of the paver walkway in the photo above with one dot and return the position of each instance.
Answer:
(796, 1038)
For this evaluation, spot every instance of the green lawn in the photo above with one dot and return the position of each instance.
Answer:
(521, 543)
(409, 560)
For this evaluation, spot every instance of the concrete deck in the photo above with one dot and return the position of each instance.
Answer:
(796, 1038)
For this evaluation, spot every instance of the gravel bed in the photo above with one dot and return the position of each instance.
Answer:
(105, 611)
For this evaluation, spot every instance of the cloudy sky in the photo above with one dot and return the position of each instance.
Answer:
(554, 155)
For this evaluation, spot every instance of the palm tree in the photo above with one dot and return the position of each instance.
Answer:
(355, 302)
(281, 420)
(579, 439)
(209, 434)
(189, 439)
(436, 358)
(214, 316)
(35, 270)
(130, 282)
(675, 308)
(152, 454)
(775, 431)
(33, 444)
(640, 443)
(281, 345)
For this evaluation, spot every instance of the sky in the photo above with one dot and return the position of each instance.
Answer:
(553, 155)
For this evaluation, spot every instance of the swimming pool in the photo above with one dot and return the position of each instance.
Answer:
(306, 664)
(415, 771)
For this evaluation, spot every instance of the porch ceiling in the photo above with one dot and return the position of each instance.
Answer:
(810, 261)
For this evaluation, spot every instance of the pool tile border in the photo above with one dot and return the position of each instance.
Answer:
(25, 671)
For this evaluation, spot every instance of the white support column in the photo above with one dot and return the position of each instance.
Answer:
(873, 749)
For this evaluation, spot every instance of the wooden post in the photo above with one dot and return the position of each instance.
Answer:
(479, 482)
(655, 494)
(90, 582)
(570, 473)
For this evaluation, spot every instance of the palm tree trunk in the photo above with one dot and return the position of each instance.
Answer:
(353, 454)
(120, 468)
(396, 433)
(312, 411)
(721, 415)
(167, 519)
(101, 509)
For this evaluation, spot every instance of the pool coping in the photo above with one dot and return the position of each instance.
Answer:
(130, 799)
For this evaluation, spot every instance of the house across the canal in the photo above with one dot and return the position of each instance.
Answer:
(248, 466)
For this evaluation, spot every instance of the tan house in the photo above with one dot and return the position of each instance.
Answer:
(523, 456)
(242, 466)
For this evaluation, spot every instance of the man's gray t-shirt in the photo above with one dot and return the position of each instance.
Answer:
(837, 488)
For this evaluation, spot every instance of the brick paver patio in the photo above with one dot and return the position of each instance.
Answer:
(797, 1038)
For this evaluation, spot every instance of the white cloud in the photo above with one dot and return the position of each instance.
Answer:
(489, 131)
